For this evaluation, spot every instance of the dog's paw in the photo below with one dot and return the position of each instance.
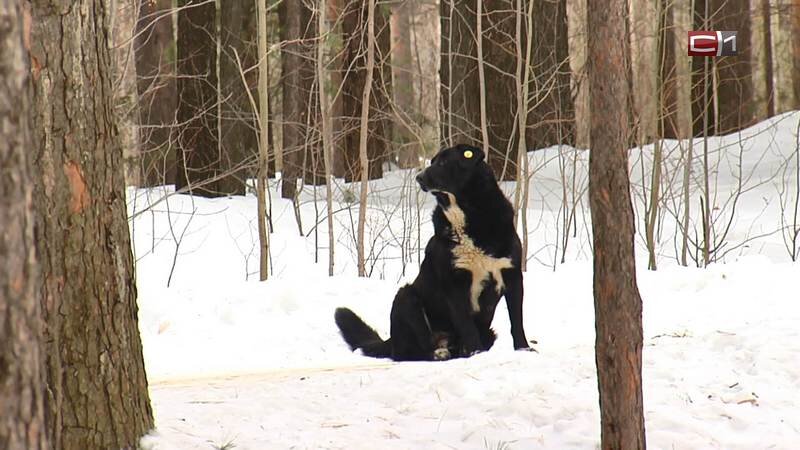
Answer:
(441, 354)
(527, 349)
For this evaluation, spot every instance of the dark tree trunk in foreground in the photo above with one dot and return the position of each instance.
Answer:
(155, 84)
(301, 149)
(21, 381)
(198, 151)
(618, 306)
(354, 26)
(239, 141)
(96, 385)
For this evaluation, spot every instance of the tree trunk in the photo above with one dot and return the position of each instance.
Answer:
(22, 425)
(363, 130)
(327, 129)
(96, 385)
(379, 137)
(734, 84)
(238, 140)
(300, 143)
(795, 26)
(618, 306)
(408, 147)
(158, 99)
(198, 153)
(262, 124)
(552, 117)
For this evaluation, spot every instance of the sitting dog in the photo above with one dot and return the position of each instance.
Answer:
(471, 261)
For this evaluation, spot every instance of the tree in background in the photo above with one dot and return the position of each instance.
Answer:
(238, 53)
(462, 116)
(154, 50)
(96, 394)
(618, 306)
(379, 135)
(301, 149)
(22, 424)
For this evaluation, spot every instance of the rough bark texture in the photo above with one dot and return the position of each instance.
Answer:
(96, 385)
(354, 27)
(618, 306)
(22, 425)
(301, 149)
(238, 137)
(198, 153)
(155, 82)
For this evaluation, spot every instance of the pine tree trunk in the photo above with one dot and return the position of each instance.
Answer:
(158, 99)
(239, 143)
(198, 153)
(618, 306)
(734, 75)
(22, 425)
(552, 119)
(354, 26)
(408, 147)
(96, 385)
(300, 144)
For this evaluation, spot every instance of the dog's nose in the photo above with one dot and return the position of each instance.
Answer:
(419, 178)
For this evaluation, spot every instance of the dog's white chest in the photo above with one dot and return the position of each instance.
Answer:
(468, 256)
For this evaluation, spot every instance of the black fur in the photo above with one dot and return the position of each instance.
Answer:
(434, 317)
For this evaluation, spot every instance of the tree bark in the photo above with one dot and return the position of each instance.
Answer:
(363, 130)
(96, 385)
(155, 84)
(618, 306)
(408, 148)
(22, 425)
(238, 140)
(552, 117)
(300, 144)
(379, 136)
(198, 153)
(734, 82)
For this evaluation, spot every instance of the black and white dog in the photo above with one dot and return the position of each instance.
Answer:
(472, 260)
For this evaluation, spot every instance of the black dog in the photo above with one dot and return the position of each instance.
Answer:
(471, 261)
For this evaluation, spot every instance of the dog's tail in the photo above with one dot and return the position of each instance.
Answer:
(358, 334)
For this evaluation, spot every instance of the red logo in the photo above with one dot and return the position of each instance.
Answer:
(712, 43)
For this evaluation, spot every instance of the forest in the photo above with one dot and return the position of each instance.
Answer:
(189, 188)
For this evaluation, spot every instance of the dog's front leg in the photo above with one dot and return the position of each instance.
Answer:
(458, 302)
(514, 293)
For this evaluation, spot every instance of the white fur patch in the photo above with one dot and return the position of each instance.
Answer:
(469, 256)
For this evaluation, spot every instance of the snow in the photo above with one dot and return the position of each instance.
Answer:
(237, 363)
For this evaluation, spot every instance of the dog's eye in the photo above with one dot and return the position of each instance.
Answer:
(468, 154)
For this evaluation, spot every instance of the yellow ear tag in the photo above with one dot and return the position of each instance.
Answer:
(468, 154)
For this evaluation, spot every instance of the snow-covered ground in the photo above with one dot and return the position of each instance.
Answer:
(237, 363)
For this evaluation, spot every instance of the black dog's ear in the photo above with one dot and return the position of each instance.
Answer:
(472, 154)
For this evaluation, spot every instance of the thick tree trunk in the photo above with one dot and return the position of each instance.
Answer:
(408, 147)
(794, 11)
(354, 25)
(238, 140)
(22, 425)
(552, 118)
(734, 82)
(158, 99)
(96, 385)
(618, 306)
(198, 153)
(300, 101)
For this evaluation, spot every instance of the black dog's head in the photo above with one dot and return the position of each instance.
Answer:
(452, 168)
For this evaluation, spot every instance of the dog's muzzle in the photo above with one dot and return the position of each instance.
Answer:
(421, 179)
